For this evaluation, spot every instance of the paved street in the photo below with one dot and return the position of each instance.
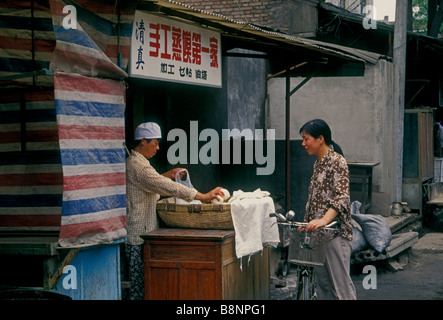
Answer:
(420, 279)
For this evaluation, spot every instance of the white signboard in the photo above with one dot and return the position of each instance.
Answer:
(166, 49)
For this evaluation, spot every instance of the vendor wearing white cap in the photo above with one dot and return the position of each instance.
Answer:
(144, 185)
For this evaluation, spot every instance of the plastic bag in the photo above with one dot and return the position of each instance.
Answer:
(358, 240)
(187, 183)
(355, 207)
(375, 229)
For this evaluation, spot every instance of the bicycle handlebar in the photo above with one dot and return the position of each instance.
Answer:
(298, 224)
(304, 224)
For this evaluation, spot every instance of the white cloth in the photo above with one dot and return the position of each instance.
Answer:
(252, 224)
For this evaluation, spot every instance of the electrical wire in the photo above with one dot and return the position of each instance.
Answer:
(238, 5)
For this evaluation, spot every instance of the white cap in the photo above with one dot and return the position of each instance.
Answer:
(148, 130)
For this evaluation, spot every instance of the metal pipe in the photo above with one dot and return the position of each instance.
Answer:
(288, 144)
(289, 93)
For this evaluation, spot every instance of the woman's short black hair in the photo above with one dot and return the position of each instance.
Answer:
(317, 128)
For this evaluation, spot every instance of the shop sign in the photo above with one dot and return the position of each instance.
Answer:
(170, 50)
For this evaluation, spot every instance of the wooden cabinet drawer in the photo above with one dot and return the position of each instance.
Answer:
(187, 264)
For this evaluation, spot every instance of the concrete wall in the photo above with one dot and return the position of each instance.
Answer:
(246, 92)
(354, 6)
(359, 111)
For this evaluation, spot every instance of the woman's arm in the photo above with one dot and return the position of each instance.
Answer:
(171, 173)
(330, 215)
(154, 182)
(206, 197)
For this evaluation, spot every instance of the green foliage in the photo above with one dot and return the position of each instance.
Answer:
(420, 16)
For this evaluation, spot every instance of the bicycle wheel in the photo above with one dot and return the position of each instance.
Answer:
(306, 288)
(299, 293)
(303, 285)
(313, 285)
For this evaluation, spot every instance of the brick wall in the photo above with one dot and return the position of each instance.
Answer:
(276, 14)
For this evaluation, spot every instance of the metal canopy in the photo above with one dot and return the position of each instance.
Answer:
(282, 50)
(288, 55)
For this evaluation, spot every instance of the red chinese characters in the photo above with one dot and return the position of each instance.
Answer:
(176, 44)
(154, 44)
(185, 46)
(214, 52)
(196, 48)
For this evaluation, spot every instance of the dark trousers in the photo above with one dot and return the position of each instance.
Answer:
(134, 256)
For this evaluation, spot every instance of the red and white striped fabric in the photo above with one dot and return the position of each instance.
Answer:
(62, 164)
(84, 49)
(91, 127)
(30, 185)
(27, 41)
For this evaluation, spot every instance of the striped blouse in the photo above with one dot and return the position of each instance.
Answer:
(144, 185)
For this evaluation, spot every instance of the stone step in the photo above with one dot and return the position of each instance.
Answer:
(399, 243)
(398, 222)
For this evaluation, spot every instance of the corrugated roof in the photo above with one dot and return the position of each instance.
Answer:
(257, 34)
(368, 56)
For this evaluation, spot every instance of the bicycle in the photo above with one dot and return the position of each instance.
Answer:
(306, 251)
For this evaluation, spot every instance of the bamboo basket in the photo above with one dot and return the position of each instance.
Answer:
(195, 216)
